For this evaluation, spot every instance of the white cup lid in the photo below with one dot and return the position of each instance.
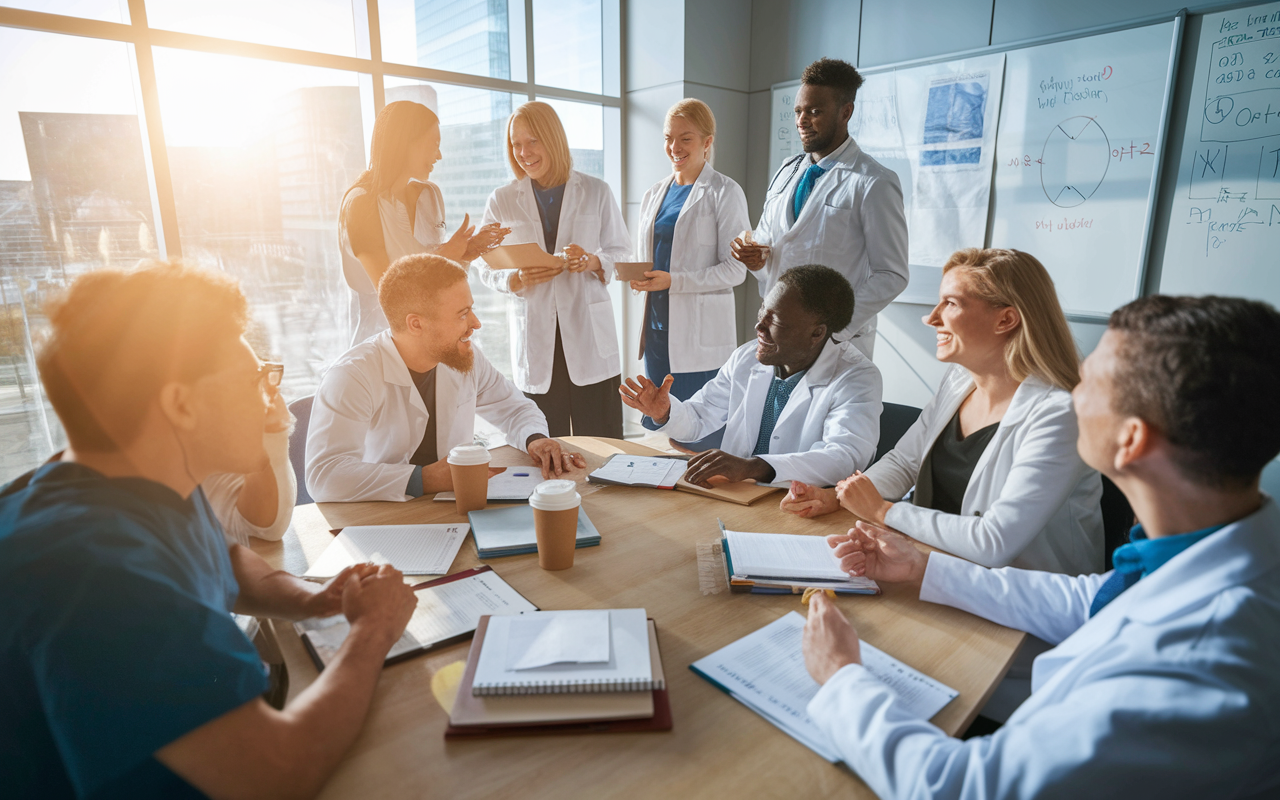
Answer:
(555, 496)
(465, 455)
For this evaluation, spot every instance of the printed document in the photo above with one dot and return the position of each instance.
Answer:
(412, 549)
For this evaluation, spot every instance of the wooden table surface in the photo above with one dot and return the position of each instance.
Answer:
(647, 559)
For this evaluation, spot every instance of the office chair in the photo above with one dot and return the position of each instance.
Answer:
(895, 419)
(301, 410)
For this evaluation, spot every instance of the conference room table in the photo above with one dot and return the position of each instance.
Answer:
(648, 558)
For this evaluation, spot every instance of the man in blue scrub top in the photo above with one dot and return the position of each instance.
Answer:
(1165, 681)
(124, 673)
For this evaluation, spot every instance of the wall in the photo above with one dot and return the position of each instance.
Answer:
(788, 34)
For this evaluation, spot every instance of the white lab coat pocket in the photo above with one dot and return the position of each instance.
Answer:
(715, 319)
(602, 328)
(838, 227)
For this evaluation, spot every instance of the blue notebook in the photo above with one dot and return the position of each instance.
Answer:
(509, 531)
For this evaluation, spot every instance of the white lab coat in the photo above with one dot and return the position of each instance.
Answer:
(223, 493)
(578, 302)
(828, 428)
(853, 222)
(368, 420)
(1170, 691)
(703, 317)
(1031, 502)
(367, 317)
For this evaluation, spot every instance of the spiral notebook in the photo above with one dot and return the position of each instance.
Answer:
(551, 652)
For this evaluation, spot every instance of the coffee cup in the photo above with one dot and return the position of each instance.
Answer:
(469, 468)
(555, 507)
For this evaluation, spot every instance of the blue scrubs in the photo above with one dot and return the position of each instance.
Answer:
(116, 637)
(657, 352)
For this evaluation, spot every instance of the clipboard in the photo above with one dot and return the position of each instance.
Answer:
(632, 270)
(515, 256)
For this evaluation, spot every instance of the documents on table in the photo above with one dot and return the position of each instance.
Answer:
(509, 531)
(765, 671)
(539, 654)
(412, 549)
(475, 716)
(448, 610)
(515, 256)
(667, 472)
(654, 472)
(511, 485)
(783, 563)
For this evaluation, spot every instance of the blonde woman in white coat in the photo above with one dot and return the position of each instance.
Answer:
(564, 347)
(993, 455)
(687, 222)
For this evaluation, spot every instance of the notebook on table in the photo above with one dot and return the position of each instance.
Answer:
(509, 531)
(783, 563)
(604, 650)
(765, 672)
(449, 609)
(667, 472)
(523, 715)
(412, 549)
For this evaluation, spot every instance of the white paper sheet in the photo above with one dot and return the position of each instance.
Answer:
(515, 483)
(412, 549)
(443, 612)
(570, 637)
(783, 555)
(765, 671)
(634, 470)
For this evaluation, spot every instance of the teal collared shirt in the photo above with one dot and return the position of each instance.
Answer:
(780, 390)
(1141, 557)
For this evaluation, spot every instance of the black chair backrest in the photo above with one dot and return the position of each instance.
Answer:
(1117, 518)
(301, 410)
(894, 421)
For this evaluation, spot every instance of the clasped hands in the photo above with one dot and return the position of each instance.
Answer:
(830, 642)
(572, 258)
(856, 494)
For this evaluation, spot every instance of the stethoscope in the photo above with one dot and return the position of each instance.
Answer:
(795, 167)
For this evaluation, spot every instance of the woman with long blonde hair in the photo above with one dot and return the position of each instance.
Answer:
(564, 346)
(993, 455)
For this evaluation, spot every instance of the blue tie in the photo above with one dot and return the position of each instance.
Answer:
(807, 180)
(779, 394)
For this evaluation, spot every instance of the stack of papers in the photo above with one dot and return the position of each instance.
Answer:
(787, 563)
(765, 672)
(655, 472)
(449, 609)
(509, 531)
(514, 484)
(412, 549)
(551, 652)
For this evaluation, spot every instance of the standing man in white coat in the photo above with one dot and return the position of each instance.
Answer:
(833, 204)
(1163, 681)
(388, 413)
(795, 404)
(564, 347)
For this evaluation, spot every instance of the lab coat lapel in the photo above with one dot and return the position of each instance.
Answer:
(1029, 392)
(697, 191)
(818, 375)
(648, 215)
(570, 209)
(447, 391)
(396, 373)
(529, 207)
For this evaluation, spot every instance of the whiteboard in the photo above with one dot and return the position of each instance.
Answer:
(1224, 222)
(1077, 159)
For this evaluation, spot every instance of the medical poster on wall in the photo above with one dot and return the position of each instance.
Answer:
(935, 126)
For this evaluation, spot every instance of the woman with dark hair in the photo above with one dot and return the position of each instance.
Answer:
(392, 210)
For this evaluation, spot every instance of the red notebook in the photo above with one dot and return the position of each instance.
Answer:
(626, 704)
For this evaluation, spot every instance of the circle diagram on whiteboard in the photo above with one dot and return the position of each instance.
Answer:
(1074, 161)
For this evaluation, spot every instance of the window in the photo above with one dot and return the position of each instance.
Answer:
(260, 146)
(74, 196)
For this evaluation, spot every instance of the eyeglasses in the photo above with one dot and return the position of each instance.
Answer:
(270, 375)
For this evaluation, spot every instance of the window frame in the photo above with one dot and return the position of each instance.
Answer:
(367, 64)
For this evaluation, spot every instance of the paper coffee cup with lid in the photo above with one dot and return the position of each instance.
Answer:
(469, 468)
(555, 507)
